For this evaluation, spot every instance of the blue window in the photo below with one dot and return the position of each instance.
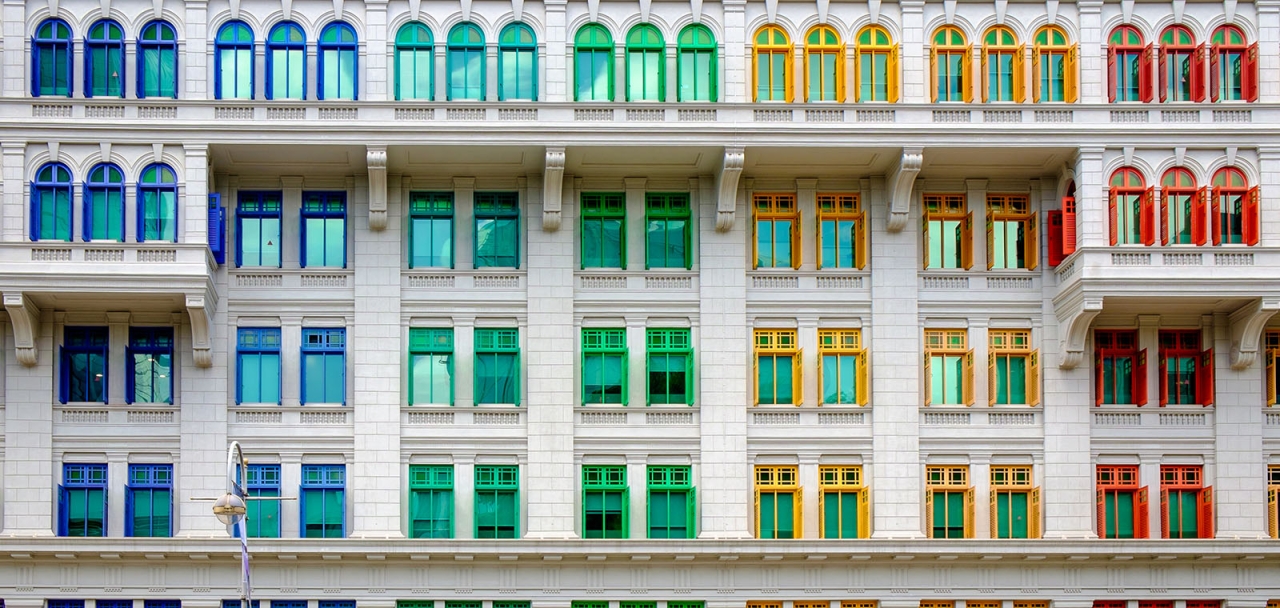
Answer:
(258, 229)
(158, 604)
(104, 204)
(323, 501)
(65, 604)
(51, 203)
(253, 604)
(324, 366)
(158, 204)
(430, 230)
(517, 63)
(84, 365)
(82, 500)
(113, 604)
(104, 60)
(51, 59)
(337, 604)
(337, 63)
(324, 229)
(288, 603)
(263, 518)
(286, 62)
(258, 365)
(233, 61)
(148, 501)
(158, 61)
(415, 62)
(149, 378)
(465, 53)
(497, 230)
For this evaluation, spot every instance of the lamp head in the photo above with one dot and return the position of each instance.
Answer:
(229, 509)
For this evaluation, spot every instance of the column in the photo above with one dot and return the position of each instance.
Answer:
(491, 71)
(810, 492)
(637, 384)
(1149, 478)
(197, 67)
(978, 330)
(464, 350)
(1269, 220)
(672, 73)
(290, 218)
(13, 155)
(1149, 340)
(290, 485)
(806, 204)
(735, 54)
(637, 495)
(195, 207)
(635, 225)
(1239, 473)
(16, 71)
(1092, 59)
(807, 337)
(1092, 223)
(556, 73)
(290, 359)
(464, 495)
(464, 213)
(915, 74)
(28, 463)
(976, 202)
(377, 75)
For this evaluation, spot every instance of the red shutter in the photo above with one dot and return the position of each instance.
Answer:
(1162, 380)
(1102, 514)
(1215, 215)
(1140, 378)
(1198, 204)
(1213, 73)
(1164, 513)
(1162, 66)
(1204, 379)
(1249, 73)
(1097, 376)
(1204, 513)
(1141, 515)
(1197, 74)
(1249, 217)
(1144, 73)
(1068, 225)
(1111, 75)
(1055, 238)
(1164, 217)
(1148, 209)
(1111, 208)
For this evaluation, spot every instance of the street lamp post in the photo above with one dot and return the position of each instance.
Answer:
(230, 509)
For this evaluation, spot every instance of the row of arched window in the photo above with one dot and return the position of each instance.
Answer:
(103, 204)
(1180, 65)
(104, 73)
(1223, 212)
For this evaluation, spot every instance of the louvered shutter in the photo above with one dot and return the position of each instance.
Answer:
(1249, 216)
(1142, 511)
(1033, 242)
(1164, 216)
(1199, 204)
(1205, 378)
(1111, 76)
(1249, 73)
(1162, 68)
(1033, 378)
(1111, 210)
(1144, 76)
(1204, 513)
(1140, 378)
(1069, 226)
(1055, 237)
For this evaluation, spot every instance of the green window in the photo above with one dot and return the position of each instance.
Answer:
(670, 370)
(876, 52)
(463, 604)
(431, 366)
(431, 501)
(604, 230)
(104, 204)
(1126, 46)
(286, 62)
(51, 203)
(412, 604)
(516, 604)
(604, 501)
(840, 514)
(842, 502)
(1228, 48)
(497, 369)
(263, 517)
(233, 61)
(517, 64)
(465, 53)
(1119, 513)
(1011, 378)
(646, 64)
(149, 501)
(324, 229)
(668, 230)
(82, 500)
(430, 230)
(415, 62)
(671, 502)
(1012, 514)
(604, 366)
(497, 230)
(587, 604)
(1181, 508)
(696, 64)
(497, 504)
(158, 61)
(824, 65)
(336, 59)
(948, 514)
(158, 204)
(104, 60)
(1116, 360)
(593, 64)
(323, 501)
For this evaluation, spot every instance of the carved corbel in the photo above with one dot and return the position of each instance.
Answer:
(902, 180)
(201, 346)
(376, 158)
(552, 189)
(26, 321)
(1247, 324)
(727, 187)
(1077, 331)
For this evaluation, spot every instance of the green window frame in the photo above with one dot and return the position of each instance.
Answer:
(696, 55)
(517, 64)
(430, 230)
(465, 53)
(263, 517)
(510, 604)
(497, 366)
(430, 501)
(669, 366)
(497, 230)
(672, 508)
(593, 64)
(604, 366)
(404, 604)
(646, 64)
(415, 62)
(463, 604)
(604, 230)
(605, 512)
(497, 504)
(668, 222)
(431, 366)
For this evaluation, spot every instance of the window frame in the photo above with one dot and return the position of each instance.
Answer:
(496, 207)
(1117, 344)
(229, 38)
(997, 41)
(429, 341)
(105, 179)
(324, 205)
(497, 479)
(1123, 41)
(947, 480)
(669, 479)
(819, 49)
(105, 41)
(1220, 51)
(840, 343)
(258, 205)
(324, 349)
(1273, 500)
(667, 342)
(260, 481)
(288, 45)
(776, 480)
(414, 48)
(156, 180)
(689, 42)
(948, 343)
(1129, 182)
(600, 209)
(431, 206)
(1118, 479)
(946, 41)
(1179, 182)
(87, 341)
(152, 478)
(1202, 376)
(587, 42)
(604, 343)
(1173, 45)
(497, 341)
(338, 48)
(152, 342)
(872, 48)
(257, 348)
(837, 208)
(159, 45)
(52, 186)
(776, 343)
(1185, 478)
(839, 480)
(1010, 343)
(425, 481)
(1013, 208)
(1009, 480)
(55, 44)
(773, 208)
(1042, 54)
(942, 208)
(666, 207)
(323, 478)
(463, 40)
(519, 48)
(87, 478)
(604, 481)
(770, 40)
(641, 41)
(1231, 182)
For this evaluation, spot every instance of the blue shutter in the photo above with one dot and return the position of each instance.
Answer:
(64, 375)
(128, 375)
(35, 67)
(88, 68)
(217, 229)
(141, 214)
(35, 211)
(128, 511)
(86, 228)
(141, 67)
(62, 510)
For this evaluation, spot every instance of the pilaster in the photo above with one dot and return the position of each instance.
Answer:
(1091, 200)
(735, 53)
(198, 63)
(195, 210)
(377, 75)
(555, 88)
(13, 158)
(1240, 475)
(28, 430)
(914, 83)
(1092, 90)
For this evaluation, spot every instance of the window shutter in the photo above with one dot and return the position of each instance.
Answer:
(1111, 76)
(1162, 63)
(993, 513)
(1163, 379)
(797, 378)
(755, 373)
(860, 242)
(1097, 378)
(985, 65)
(1164, 514)
(864, 513)
(928, 513)
(128, 511)
(217, 228)
(857, 74)
(1249, 216)
(1164, 216)
(34, 208)
(797, 513)
(797, 254)
(689, 384)
(1204, 379)
(966, 74)
(991, 240)
(822, 516)
(925, 241)
(1215, 214)
(1198, 205)
(969, 504)
(1071, 76)
(691, 513)
(1111, 209)
(1033, 517)
(757, 510)
(933, 70)
(892, 76)
(992, 389)
(1069, 226)
(787, 78)
(1144, 74)
(862, 379)
(1140, 378)
(1249, 74)
(1214, 56)
(86, 220)
(1101, 504)
(1197, 74)
(62, 510)
(1271, 378)
(1141, 515)
(1204, 513)
(966, 242)
(1032, 242)
(1033, 378)
(1273, 506)
(928, 379)
(1055, 237)
(626, 390)
(1148, 217)
(821, 393)
(1035, 75)
(968, 378)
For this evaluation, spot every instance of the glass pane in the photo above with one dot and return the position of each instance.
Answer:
(782, 243)
(335, 375)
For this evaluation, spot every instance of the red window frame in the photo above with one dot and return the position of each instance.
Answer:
(1186, 477)
(1196, 59)
(1179, 181)
(1127, 181)
(1225, 182)
(1186, 343)
(1248, 64)
(1144, 61)
(1118, 343)
(1121, 478)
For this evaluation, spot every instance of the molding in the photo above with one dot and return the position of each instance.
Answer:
(727, 187)
(201, 347)
(1077, 322)
(26, 320)
(1247, 325)
(376, 157)
(902, 180)
(552, 189)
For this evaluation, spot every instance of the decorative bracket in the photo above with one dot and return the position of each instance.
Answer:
(552, 189)
(1077, 325)
(26, 320)
(727, 187)
(902, 180)
(376, 158)
(1247, 324)
(201, 347)
(1065, 177)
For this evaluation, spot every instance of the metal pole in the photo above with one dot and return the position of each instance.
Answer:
(237, 486)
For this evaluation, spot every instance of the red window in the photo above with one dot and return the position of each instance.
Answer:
(1182, 208)
(1120, 369)
(1155, 604)
(1204, 603)
(1131, 205)
(1234, 208)
(1110, 604)
(1128, 66)
(1186, 504)
(1122, 503)
(1186, 372)
(1181, 65)
(1233, 66)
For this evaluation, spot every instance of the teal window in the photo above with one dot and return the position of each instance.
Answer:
(149, 373)
(430, 230)
(842, 367)
(593, 64)
(148, 501)
(158, 204)
(431, 366)
(841, 231)
(51, 203)
(82, 500)
(515, 604)
(604, 366)
(286, 62)
(263, 517)
(258, 229)
(670, 367)
(465, 54)
(646, 64)
(324, 366)
(1002, 60)
(158, 61)
(1119, 512)
(824, 65)
(324, 229)
(497, 501)
(517, 63)
(842, 502)
(604, 501)
(668, 230)
(84, 365)
(948, 232)
(1180, 358)
(233, 61)
(1012, 235)
(696, 64)
(777, 243)
(1227, 67)
(415, 62)
(948, 367)
(604, 230)
(497, 230)
(876, 65)
(431, 498)
(1014, 367)
(1182, 510)
(948, 514)
(104, 204)
(323, 504)
(779, 513)
(772, 50)
(1015, 504)
(497, 369)
(1053, 68)
(671, 502)
(104, 60)
(51, 59)
(258, 365)
(337, 63)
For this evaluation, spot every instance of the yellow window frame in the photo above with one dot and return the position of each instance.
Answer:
(937, 604)
(836, 48)
(1070, 78)
(1018, 51)
(1012, 479)
(1273, 500)
(758, 49)
(764, 604)
(810, 604)
(948, 478)
(844, 206)
(891, 63)
(1272, 347)
(1013, 208)
(775, 206)
(943, 342)
(966, 63)
(780, 479)
(844, 478)
(773, 342)
(1013, 343)
(948, 206)
(844, 342)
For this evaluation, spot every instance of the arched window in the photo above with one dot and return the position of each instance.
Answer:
(1128, 66)
(1234, 208)
(51, 59)
(949, 55)
(1131, 205)
(875, 70)
(1182, 212)
(1181, 66)
(646, 63)
(1002, 66)
(157, 204)
(1233, 66)
(696, 64)
(286, 62)
(233, 59)
(104, 204)
(823, 65)
(593, 64)
(51, 203)
(1053, 66)
(337, 64)
(465, 53)
(104, 60)
(517, 63)
(158, 61)
(772, 75)
(415, 59)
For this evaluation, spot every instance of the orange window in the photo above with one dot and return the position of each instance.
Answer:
(1234, 208)
(1131, 205)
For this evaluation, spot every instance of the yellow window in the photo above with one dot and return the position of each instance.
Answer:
(1002, 71)
(948, 367)
(1273, 500)
(779, 511)
(1012, 232)
(843, 502)
(949, 55)
(779, 377)
(842, 241)
(1053, 67)
(937, 604)
(859, 604)
(771, 78)
(842, 367)
(948, 502)
(823, 65)
(777, 224)
(948, 232)
(1013, 368)
(1015, 503)
(875, 66)
(1273, 353)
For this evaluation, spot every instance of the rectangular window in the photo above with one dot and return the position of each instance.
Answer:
(1012, 232)
(779, 512)
(148, 501)
(431, 501)
(512, 604)
(127, 603)
(671, 502)
(1186, 372)
(842, 241)
(842, 367)
(1186, 504)
(258, 365)
(604, 230)
(948, 367)
(605, 512)
(84, 365)
(1273, 500)
(149, 377)
(497, 503)
(948, 232)
(777, 221)
(258, 229)
(324, 366)
(497, 230)
(324, 230)
(1013, 368)
(604, 366)
(779, 377)
(82, 500)
(948, 502)
(668, 230)
(1122, 505)
(497, 370)
(414, 604)
(431, 366)
(323, 502)
(430, 230)
(162, 604)
(1120, 369)
(1015, 503)
(843, 502)
(670, 366)
(588, 604)
(263, 481)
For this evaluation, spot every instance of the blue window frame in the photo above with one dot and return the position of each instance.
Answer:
(263, 518)
(324, 366)
(113, 603)
(324, 229)
(51, 59)
(517, 63)
(258, 365)
(338, 63)
(104, 204)
(65, 604)
(104, 60)
(258, 217)
(286, 62)
(158, 61)
(233, 61)
(51, 203)
(497, 230)
(158, 204)
(82, 500)
(149, 377)
(148, 501)
(323, 504)
(252, 604)
(84, 365)
(465, 52)
(415, 62)
(158, 604)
